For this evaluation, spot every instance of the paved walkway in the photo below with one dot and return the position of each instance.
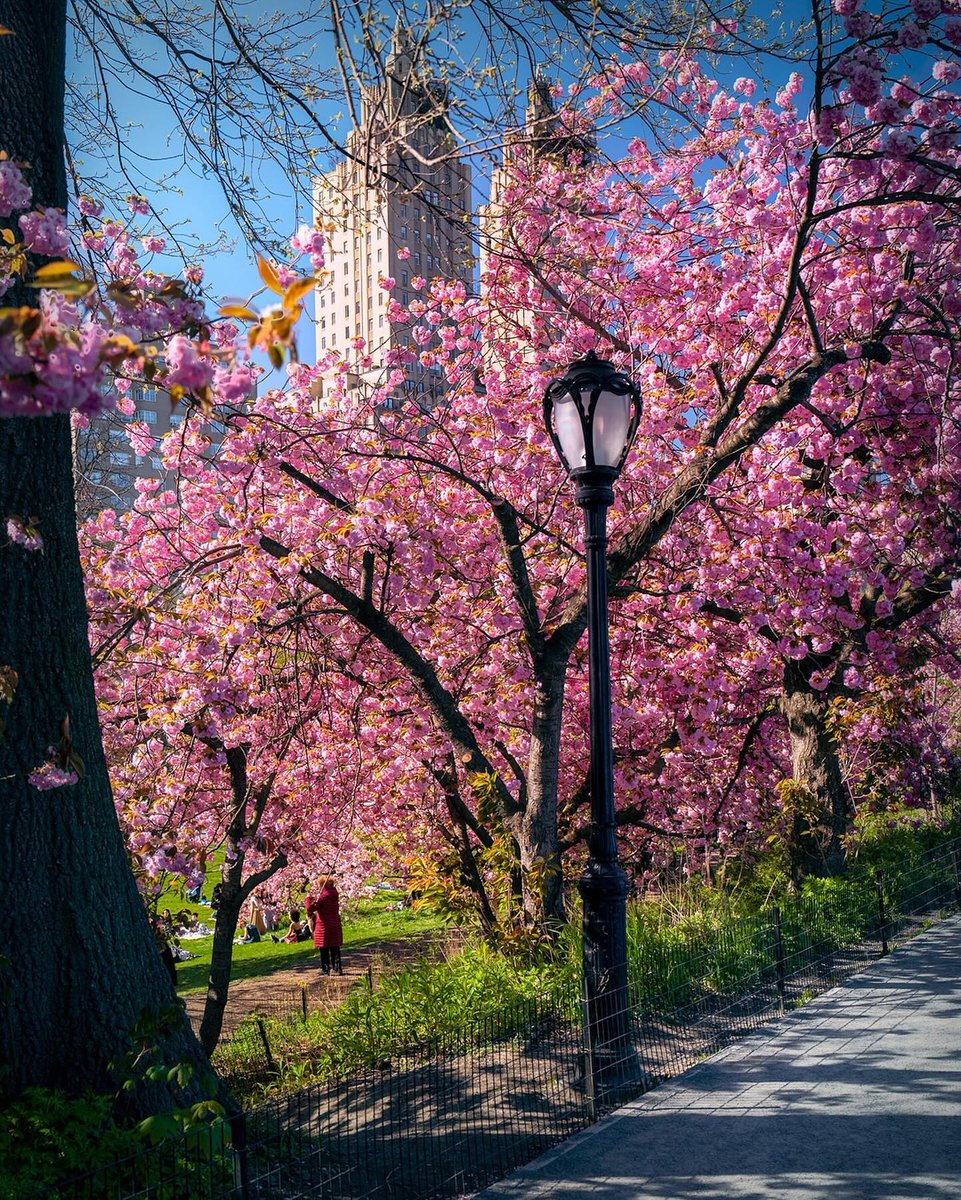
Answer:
(856, 1096)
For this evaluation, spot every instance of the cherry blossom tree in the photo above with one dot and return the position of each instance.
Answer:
(229, 721)
(783, 281)
(766, 278)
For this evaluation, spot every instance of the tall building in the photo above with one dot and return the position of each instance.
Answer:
(539, 136)
(106, 468)
(397, 207)
(542, 136)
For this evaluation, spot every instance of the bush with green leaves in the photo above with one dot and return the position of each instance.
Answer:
(46, 1136)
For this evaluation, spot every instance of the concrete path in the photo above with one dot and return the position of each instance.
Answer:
(857, 1096)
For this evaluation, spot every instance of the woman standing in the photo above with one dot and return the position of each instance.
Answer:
(324, 911)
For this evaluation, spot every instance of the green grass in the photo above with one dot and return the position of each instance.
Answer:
(366, 922)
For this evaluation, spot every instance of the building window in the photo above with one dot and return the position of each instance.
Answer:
(417, 260)
(403, 210)
(403, 232)
(406, 298)
(346, 310)
(430, 260)
(323, 343)
(380, 254)
(119, 459)
(405, 278)
(416, 235)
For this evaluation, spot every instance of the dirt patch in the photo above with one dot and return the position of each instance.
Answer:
(286, 992)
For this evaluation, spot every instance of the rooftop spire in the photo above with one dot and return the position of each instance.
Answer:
(400, 41)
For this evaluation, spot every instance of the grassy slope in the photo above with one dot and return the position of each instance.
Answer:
(365, 922)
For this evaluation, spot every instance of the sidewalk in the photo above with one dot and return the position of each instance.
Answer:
(856, 1096)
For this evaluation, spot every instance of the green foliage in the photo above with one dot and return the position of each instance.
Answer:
(896, 840)
(693, 943)
(411, 1004)
(46, 1136)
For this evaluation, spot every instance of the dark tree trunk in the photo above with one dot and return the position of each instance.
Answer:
(536, 826)
(78, 962)
(817, 802)
(232, 897)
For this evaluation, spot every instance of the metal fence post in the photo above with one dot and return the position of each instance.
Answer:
(779, 956)
(271, 1065)
(303, 1002)
(882, 915)
(957, 873)
(590, 1064)
(238, 1141)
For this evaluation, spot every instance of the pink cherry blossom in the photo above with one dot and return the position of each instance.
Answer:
(14, 192)
(46, 232)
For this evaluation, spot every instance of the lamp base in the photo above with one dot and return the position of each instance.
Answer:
(615, 1079)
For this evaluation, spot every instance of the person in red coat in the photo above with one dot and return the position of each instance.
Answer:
(324, 911)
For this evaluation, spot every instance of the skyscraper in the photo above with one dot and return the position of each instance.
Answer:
(398, 207)
(503, 242)
(106, 468)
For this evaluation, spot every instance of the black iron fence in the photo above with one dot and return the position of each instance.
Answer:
(441, 1119)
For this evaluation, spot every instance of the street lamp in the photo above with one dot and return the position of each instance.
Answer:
(591, 416)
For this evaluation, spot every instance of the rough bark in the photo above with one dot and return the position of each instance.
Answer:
(78, 962)
(536, 826)
(818, 803)
(232, 897)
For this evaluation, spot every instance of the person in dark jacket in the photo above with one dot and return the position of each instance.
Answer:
(324, 911)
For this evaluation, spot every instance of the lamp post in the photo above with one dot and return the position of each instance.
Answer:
(591, 416)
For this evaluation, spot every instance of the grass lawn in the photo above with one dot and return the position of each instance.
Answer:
(365, 922)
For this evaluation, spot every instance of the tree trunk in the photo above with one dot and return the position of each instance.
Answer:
(78, 962)
(536, 826)
(817, 803)
(232, 898)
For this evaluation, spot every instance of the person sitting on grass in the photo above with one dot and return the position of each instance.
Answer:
(251, 934)
(298, 931)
